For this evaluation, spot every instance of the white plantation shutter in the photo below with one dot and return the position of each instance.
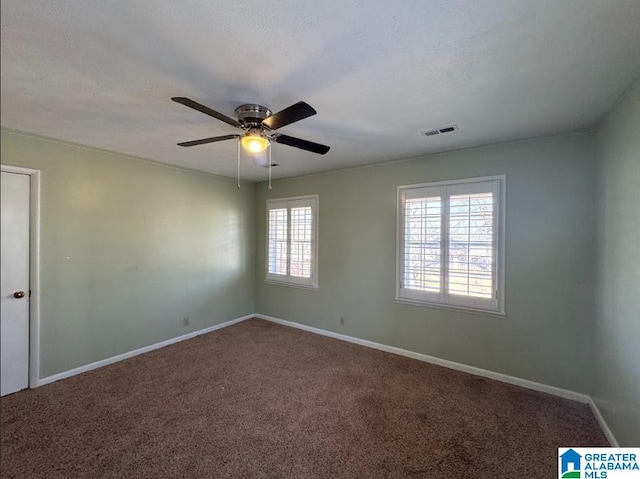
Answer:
(422, 255)
(291, 244)
(472, 245)
(450, 244)
(301, 232)
(278, 244)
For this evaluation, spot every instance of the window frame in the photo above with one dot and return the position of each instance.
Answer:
(294, 202)
(441, 300)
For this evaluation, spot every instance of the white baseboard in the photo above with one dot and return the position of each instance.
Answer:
(564, 393)
(603, 424)
(525, 383)
(130, 354)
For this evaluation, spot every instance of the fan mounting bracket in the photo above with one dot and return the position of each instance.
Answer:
(251, 115)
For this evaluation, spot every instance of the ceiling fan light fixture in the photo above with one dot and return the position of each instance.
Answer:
(254, 142)
(257, 123)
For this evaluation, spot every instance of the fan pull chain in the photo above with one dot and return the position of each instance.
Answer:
(238, 163)
(270, 167)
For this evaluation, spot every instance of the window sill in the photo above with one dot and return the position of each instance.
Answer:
(447, 307)
(292, 285)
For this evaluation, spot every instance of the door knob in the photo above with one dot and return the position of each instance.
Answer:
(18, 294)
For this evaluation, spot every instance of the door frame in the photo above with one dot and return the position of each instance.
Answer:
(34, 269)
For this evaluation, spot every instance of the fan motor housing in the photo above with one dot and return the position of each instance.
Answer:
(251, 115)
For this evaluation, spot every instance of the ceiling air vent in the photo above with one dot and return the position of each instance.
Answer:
(438, 131)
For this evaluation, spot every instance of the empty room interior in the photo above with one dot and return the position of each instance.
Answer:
(318, 239)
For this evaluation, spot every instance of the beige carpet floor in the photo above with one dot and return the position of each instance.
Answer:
(259, 400)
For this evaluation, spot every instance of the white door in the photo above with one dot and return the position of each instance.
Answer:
(14, 292)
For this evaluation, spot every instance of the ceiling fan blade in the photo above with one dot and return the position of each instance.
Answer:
(296, 112)
(208, 140)
(206, 110)
(302, 144)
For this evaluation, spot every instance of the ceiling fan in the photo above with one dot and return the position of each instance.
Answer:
(259, 126)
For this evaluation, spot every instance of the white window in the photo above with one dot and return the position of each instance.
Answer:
(292, 247)
(451, 244)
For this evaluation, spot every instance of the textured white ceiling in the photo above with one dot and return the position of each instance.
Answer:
(102, 73)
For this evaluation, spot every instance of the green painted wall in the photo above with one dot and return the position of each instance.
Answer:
(617, 385)
(130, 247)
(547, 334)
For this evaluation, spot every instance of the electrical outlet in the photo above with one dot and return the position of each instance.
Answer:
(185, 322)
(341, 320)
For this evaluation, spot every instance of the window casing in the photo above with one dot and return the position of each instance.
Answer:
(292, 246)
(450, 238)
